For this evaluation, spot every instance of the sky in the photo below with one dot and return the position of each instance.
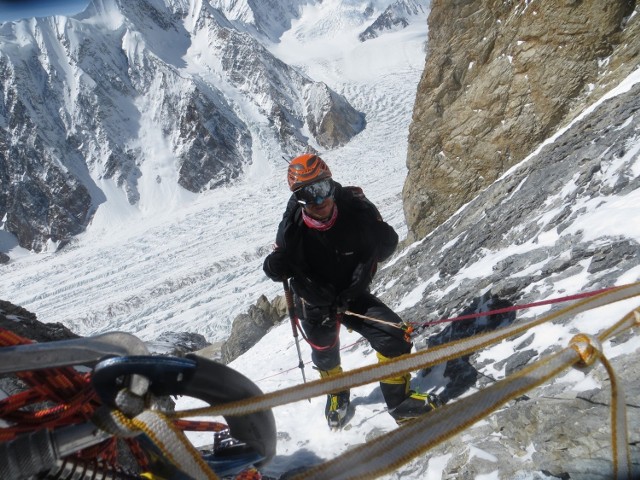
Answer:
(198, 267)
(19, 9)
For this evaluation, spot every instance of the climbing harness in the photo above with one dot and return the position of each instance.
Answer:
(315, 346)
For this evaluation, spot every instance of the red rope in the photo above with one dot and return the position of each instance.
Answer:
(467, 317)
(320, 347)
(199, 425)
(516, 307)
(54, 397)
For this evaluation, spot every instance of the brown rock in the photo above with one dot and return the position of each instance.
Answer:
(501, 77)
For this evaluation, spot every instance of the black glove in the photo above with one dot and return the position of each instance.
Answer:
(276, 266)
(314, 293)
(360, 280)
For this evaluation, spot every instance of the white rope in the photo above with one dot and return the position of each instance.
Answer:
(173, 443)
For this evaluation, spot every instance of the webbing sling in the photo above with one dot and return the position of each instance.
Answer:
(390, 451)
(406, 363)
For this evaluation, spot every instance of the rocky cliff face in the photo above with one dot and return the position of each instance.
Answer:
(142, 98)
(534, 234)
(500, 77)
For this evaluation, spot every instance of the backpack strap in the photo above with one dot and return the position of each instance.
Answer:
(358, 194)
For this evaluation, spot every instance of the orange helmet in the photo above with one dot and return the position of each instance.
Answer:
(306, 169)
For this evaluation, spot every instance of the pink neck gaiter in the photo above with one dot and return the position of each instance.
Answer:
(321, 225)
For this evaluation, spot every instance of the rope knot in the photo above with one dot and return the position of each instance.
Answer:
(408, 330)
(114, 422)
(588, 347)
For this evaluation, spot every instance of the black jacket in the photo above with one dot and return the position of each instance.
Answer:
(325, 264)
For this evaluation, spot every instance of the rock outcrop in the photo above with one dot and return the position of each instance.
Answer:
(177, 343)
(248, 328)
(501, 77)
(25, 323)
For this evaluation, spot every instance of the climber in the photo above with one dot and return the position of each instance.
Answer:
(329, 243)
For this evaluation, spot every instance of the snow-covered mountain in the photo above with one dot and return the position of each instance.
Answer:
(200, 245)
(397, 16)
(564, 221)
(139, 102)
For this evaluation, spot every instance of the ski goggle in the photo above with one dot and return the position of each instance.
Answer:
(315, 193)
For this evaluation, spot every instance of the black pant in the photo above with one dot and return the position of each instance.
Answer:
(320, 327)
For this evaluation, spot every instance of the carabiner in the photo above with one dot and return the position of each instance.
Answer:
(166, 375)
(196, 377)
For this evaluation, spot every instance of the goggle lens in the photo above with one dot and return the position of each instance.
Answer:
(316, 193)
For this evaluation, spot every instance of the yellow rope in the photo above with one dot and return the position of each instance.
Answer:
(392, 450)
(386, 453)
(619, 434)
(405, 363)
(172, 442)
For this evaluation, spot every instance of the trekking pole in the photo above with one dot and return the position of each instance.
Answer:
(292, 318)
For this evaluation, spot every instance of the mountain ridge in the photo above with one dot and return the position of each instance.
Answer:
(110, 92)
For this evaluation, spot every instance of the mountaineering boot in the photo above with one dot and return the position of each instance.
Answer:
(414, 405)
(402, 403)
(337, 403)
(337, 409)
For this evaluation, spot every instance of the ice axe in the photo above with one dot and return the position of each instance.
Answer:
(292, 317)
